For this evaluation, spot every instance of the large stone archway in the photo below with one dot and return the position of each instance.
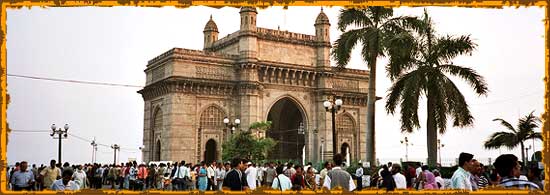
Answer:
(287, 118)
(266, 74)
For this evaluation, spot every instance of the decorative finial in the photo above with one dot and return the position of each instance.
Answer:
(210, 16)
(278, 27)
(321, 8)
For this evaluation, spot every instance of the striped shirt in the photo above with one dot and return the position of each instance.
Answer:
(482, 182)
(517, 183)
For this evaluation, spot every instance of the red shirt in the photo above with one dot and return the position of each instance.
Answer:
(142, 173)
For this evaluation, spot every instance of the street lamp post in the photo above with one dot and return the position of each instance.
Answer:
(322, 143)
(333, 106)
(141, 149)
(301, 131)
(439, 146)
(61, 134)
(231, 126)
(115, 147)
(94, 150)
(527, 155)
(406, 142)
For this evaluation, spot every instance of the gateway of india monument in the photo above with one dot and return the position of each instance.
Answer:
(254, 74)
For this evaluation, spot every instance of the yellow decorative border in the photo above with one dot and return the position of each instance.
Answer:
(265, 3)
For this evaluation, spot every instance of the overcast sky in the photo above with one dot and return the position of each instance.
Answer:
(114, 44)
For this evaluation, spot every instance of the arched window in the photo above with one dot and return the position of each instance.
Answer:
(157, 129)
(212, 118)
(344, 124)
(156, 156)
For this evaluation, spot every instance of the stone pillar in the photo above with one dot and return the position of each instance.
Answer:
(147, 143)
(183, 119)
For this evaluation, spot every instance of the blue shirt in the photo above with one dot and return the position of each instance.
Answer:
(461, 180)
(21, 179)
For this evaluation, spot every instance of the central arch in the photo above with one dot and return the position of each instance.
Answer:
(287, 117)
(210, 153)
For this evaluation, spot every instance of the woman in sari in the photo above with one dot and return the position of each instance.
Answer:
(203, 183)
(429, 178)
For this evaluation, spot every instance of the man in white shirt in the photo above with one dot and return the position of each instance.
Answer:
(400, 180)
(338, 177)
(359, 176)
(65, 182)
(181, 172)
(211, 176)
(251, 175)
(324, 172)
(281, 181)
(220, 175)
(260, 178)
(438, 180)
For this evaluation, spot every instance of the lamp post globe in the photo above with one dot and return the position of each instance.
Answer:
(327, 104)
(226, 120)
(338, 102)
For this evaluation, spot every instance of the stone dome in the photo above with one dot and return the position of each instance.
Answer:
(248, 9)
(211, 25)
(322, 18)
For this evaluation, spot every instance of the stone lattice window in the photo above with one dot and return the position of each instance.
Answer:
(212, 118)
(344, 124)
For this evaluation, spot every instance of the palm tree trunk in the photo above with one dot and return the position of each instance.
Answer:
(371, 99)
(431, 132)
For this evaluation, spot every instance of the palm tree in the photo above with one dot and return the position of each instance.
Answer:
(515, 136)
(374, 27)
(423, 72)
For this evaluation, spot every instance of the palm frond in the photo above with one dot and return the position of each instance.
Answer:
(394, 96)
(506, 124)
(458, 107)
(449, 47)
(372, 46)
(413, 89)
(356, 17)
(379, 13)
(401, 49)
(527, 125)
(475, 80)
(529, 122)
(343, 46)
(534, 135)
(436, 93)
(500, 139)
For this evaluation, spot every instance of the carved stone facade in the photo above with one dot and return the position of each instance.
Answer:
(254, 74)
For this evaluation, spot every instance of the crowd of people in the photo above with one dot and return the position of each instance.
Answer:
(240, 174)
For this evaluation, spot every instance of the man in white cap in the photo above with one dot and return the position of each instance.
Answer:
(251, 175)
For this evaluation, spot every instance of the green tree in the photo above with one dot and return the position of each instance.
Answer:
(262, 125)
(513, 137)
(423, 72)
(245, 145)
(377, 30)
